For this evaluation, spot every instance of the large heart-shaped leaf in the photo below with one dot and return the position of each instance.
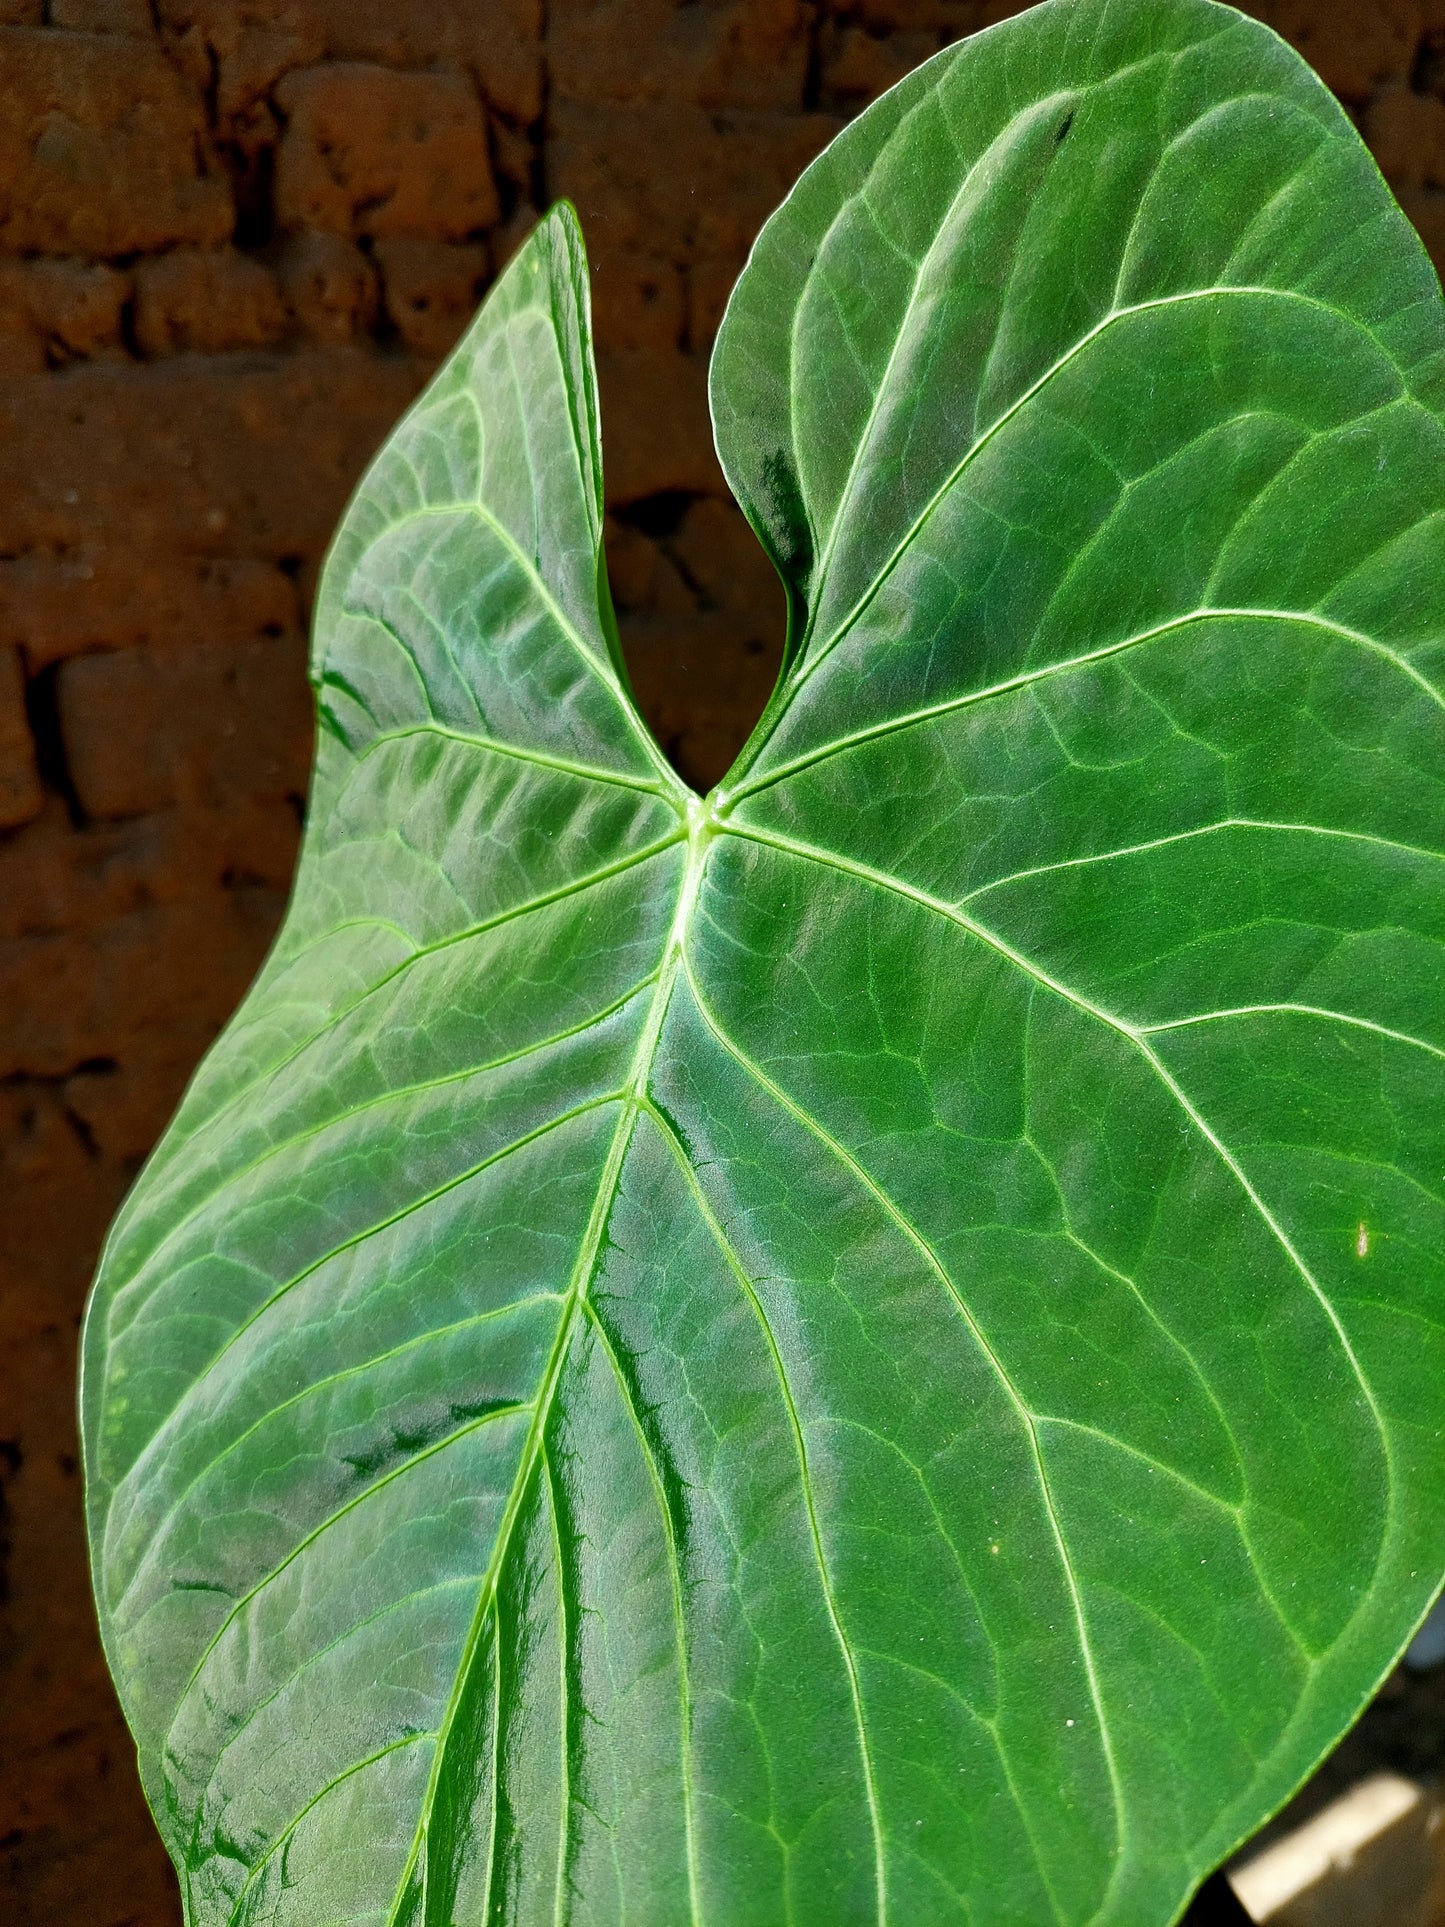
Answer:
(867, 1350)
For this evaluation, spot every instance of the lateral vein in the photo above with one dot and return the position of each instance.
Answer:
(739, 1271)
(1025, 1414)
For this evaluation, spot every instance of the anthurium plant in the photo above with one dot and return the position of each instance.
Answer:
(865, 1348)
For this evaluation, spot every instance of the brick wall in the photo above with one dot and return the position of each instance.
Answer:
(235, 235)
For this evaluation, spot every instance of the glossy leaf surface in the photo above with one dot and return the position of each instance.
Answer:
(868, 1350)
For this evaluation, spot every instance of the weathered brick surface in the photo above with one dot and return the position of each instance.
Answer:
(1354, 45)
(20, 793)
(206, 723)
(725, 172)
(103, 16)
(722, 53)
(640, 300)
(371, 151)
(114, 596)
(52, 312)
(656, 423)
(203, 300)
(431, 288)
(497, 41)
(234, 237)
(103, 148)
(328, 285)
(243, 455)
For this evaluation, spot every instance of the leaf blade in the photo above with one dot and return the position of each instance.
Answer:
(875, 1336)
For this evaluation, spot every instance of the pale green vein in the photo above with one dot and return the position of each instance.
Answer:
(331, 1520)
(578, 1284)
(358, 1626)
(674, 1567)
(144, 1470)
(564, 1764)
(935, 1264)
(905, 334)
(487, 1591)
(882, 880)
(931, 712)
(395, 1094)
(407, 1210)
(543, 901)
(286, 959)
(1236, 1513)
(361, 1766)
(749, 1291)
(1176, 1345)
(1002, 420)
(1204, 829)
(495, 1782)
(560, 765)
(600, 666)
(333, 1022)
(1292, 1010)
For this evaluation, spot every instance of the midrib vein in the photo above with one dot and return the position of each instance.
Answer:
(631, 1102)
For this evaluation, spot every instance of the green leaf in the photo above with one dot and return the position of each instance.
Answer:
(868, 1350)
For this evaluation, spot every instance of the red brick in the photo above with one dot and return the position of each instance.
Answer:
(857, 66)
(633, 565)
(710, 283)
(200, 301)
(118, 597)
(951, 19)
(146, 728)
(1406, 132)
(150, 983)
(76, 1821)
(657, 433)
(498, 41)
(328, 285)
(730, 566)
(253, 42)
(675, 179)
(20, 792)
(1354, 45)
(56, 311)
(722, 53)
(103, 148)
(239, 49)
(700, 692)
(515, 155)
(241, 456)
(638, 301)
(431, 289)
(370, 151)
(1427, 211)
(103, 16)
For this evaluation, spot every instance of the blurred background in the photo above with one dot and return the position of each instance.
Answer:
(235, 238)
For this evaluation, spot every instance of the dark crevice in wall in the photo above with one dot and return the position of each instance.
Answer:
(11, 1460)
(657, 516)
(42, 711)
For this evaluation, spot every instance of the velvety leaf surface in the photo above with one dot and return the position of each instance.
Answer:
(868, 1350)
